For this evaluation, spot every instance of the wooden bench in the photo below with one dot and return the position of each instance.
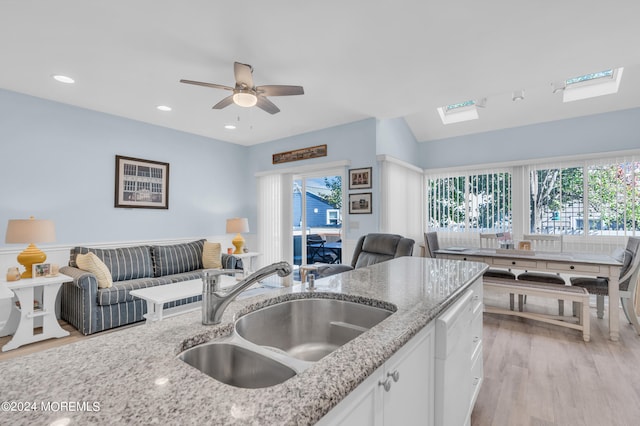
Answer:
(523, 288)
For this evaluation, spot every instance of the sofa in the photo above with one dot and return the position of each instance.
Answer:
(92, 309)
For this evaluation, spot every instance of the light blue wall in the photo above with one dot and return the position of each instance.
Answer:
(354, 141)
(614, 131)
(58, 163)
(395, 138)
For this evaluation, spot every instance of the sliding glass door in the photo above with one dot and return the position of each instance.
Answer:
(317, 217)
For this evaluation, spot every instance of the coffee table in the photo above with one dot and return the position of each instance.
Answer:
(157, 296)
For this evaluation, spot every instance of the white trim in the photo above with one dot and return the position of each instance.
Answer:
(532, 162)
(306, 169)
(390, 159)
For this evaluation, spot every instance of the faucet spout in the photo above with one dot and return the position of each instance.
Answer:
(215, 300)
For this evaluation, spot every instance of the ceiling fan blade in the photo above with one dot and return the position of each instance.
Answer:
(278, 90)
(212, 85)
(267, 105)
(224, 103)
(243, 74)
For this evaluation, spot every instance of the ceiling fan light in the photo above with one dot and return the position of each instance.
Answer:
(245, 99)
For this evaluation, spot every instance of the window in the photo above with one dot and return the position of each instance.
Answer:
(333, 217)
(474, 202)
(597, 197)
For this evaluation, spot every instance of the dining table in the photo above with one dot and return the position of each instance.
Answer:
(570, 263)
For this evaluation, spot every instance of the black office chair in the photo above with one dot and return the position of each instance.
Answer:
(371, 249)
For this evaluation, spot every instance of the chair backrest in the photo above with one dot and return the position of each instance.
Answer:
(431, 244)
(544, 242)
(630, 266)
(376, 248)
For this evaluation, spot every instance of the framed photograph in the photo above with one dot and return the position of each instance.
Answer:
(40, 270)
(141, 183)
(360, 203)
(300, 154)
(360, 178)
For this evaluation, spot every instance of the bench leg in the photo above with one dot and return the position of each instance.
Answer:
(511, 303)
(585, 320)
(561, 307)
(600, 306)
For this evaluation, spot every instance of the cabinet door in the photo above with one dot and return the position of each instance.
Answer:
(362, 407)
(409, 400)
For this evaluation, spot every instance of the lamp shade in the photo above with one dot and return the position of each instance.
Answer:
(237, 225)
(27, 231)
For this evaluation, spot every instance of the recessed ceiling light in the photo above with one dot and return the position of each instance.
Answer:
(63, 79)
(230, 126)
(163, 108)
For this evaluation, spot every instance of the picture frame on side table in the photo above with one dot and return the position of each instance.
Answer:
(360, 178)
(39, 270)
(360, 203)
(141, 183)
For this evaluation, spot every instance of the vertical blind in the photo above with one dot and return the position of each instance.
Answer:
(274, 218)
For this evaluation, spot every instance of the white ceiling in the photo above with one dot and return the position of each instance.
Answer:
(356, 59)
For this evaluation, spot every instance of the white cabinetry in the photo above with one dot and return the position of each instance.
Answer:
(458, 358)
(432, 380)
(400, 392)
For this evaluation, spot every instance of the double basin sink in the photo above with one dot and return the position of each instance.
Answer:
(274, 343)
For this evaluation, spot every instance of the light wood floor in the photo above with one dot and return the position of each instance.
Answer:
(541, 375)
(535, 374)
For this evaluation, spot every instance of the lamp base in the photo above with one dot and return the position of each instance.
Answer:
(238, 242)
(29, 257)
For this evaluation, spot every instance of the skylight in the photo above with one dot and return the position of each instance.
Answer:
(461, 111)
(592, 85)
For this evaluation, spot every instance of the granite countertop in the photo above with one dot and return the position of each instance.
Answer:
(133, 375)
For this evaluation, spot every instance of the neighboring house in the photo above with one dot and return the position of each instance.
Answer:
(320, 214)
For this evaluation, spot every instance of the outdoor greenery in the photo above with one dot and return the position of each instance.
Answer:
(334, 197)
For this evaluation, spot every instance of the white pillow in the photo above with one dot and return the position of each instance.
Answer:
(211, 257)
(91, 263)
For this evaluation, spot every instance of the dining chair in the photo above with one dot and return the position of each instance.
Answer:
(490, 240)
(629, 271)
(431, 244)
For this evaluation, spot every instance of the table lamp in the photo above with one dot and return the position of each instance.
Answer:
(236, 225)
(30, 231)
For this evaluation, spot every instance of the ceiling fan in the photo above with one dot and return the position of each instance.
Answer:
(245, 94)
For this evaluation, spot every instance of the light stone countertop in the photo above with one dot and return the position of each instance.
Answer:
(133, 376)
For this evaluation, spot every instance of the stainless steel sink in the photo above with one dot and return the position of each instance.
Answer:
(236, 365)
(308, 329)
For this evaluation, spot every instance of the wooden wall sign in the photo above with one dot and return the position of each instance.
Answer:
(300, 154)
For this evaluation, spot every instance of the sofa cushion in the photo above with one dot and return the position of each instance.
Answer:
(91, 263)
(211, 255)
(119, 292)
(177, 258)
(124, 263)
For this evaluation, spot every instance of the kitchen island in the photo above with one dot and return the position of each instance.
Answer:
(133, 376)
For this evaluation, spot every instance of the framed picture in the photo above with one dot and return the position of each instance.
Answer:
(360, 203)
(141, 183)
(300, 154)
(39, 270)
(360, 178)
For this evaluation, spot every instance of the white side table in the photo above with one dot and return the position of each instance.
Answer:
(20, 322)
(248, 267)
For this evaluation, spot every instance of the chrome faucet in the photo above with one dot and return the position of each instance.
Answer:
(215, 300)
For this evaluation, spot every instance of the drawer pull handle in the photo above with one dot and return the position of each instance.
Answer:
(513, 262)
(475, 339)
(386, 385)
(394, 375)
(572, 267)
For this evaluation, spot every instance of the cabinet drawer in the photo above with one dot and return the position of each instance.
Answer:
(508, 263)
(565, 267)
(477, 375)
